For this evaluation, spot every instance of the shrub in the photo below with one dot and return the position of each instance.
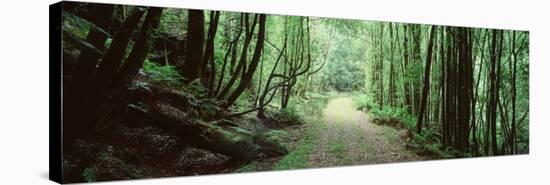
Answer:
(427, 143)
(288, 115)
(166, 75)
(395, 117)
(89, 175)
(364, 102)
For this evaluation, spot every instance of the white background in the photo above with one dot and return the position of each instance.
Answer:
(24, 91)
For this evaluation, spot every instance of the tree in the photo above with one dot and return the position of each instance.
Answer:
(191, 67)
(245, 81)
(113, 58)
(241, 66)
(208, 61)
(493, 91)
(83, 72)
(426, 81)
(141, 49)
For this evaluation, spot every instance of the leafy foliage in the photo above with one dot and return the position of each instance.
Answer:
(89, 175)
(166, 75)
(364, 102)
(289, 115)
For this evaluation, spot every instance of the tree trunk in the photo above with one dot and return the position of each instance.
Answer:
(209, 72)
(141, 48)
(426, 82)
(241, 66)
(191, 68)
(493, 92)
(76, 104)
(245, 81)
(217, 136)
(406, 86)
(513, 69)
(112, 59)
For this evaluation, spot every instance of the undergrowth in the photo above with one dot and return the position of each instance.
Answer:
(426, 143)
(310, 112)
(163, 74)
(289, 116)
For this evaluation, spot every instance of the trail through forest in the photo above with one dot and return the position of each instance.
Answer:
(349, 138)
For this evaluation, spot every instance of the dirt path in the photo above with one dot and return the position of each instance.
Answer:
(348, 138)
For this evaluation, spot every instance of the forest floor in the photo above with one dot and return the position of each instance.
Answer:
(340, 136)
(349, 138)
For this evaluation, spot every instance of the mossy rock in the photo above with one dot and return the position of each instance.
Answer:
(277, 135)
(271, 143)
(111, 165)
(231, 140)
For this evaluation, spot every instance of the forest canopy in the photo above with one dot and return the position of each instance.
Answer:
(235, 83)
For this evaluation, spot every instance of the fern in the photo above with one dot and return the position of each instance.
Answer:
(89, 175)
(166, 75)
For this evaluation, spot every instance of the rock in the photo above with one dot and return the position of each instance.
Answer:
(271, 143)
(231, 141)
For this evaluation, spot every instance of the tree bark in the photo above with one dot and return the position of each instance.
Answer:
(141, 48)
(112, 59)
(426, 87)
(191, 67)
(406, 84)
(241, 66)
(217, 136)
(208, 58)
(245, 81)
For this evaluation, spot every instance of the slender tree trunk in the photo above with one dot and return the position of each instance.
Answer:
(380, 70)
(426, 87)
(406, 86)
(253, 64)
(493, 91)
(241, 66)
(514, 64)
(141, 48)
(392, 83)
(208, 60)
(233, 44)
(417, 58)
(112, 59)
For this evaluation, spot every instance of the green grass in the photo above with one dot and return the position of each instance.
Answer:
(311, 113)
(248, 168)
(363, 145)
(338, 147)
(299, 158)
(390, 134)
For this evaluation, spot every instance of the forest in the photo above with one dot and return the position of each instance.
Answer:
(159, 92)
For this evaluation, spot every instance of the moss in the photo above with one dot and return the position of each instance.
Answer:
(390, 134)
(248, 168)
(238, 143)
(299, 157)
(241, 131)
(89, 175)
(311, 114)
(277, 136)
(337, 147)
(109, 165)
